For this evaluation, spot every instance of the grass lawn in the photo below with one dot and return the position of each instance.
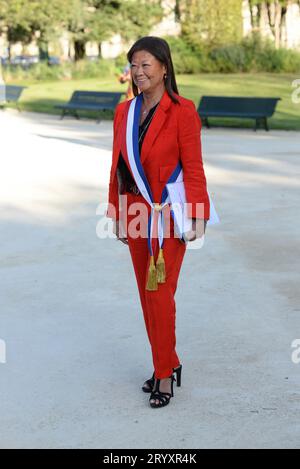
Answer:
(41, 97)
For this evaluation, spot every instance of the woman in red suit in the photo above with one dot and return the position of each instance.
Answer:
(156, 135)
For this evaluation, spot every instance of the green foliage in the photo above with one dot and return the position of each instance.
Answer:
(67, 71)
(138, 17)
(22, 19)
(85, 20)
(129, 18)
(15, 21)
(96, 69)
(121, 61)
(252, 54)
(211, 22)
(39, 72)
(228, 59)
(211, 38)
(185, 58)
(261, 55)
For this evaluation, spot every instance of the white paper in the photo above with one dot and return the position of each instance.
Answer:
(177, 198)
(178, 201)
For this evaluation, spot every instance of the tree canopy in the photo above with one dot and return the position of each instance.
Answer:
(85, 20)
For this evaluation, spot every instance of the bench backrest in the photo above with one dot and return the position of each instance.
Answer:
(11, 92)
(241, 105)
(110, 100)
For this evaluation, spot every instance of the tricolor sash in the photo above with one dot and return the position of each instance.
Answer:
(156, 273)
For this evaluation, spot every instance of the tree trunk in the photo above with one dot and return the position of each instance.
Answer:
(79, 47)
(258, 15)
(177, 11)
(277, 24)
(43, 49)
(283, 30)
(251, 16)
(262, 17)
(255, 15)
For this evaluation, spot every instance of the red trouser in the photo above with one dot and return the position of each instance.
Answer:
(158, 306)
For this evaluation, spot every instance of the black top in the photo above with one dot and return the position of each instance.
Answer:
(127, 181)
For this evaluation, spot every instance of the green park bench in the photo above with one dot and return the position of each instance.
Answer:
(90, 101)
(10, 93)
(242, 107)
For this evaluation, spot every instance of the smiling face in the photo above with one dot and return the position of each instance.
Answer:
(147, 72)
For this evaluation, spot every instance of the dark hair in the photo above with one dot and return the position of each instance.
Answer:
(161, 51)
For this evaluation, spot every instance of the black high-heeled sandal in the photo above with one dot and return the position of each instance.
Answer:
(178, 371)
(148, 385)
(163, 398)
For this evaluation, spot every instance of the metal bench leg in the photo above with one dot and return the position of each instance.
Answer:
(205, 121)
(266, 123)
(256, 124)
(18, 107)
(99, 118)
(100, 115)
(76, 115)
(62, 114)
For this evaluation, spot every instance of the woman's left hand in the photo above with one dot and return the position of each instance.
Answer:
(117, 232)
(197, 231)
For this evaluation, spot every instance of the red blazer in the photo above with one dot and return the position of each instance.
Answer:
(173, 135)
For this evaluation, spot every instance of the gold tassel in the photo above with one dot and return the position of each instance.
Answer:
(152, 276)
(160, 267)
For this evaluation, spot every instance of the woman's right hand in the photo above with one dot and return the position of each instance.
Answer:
(116, 231)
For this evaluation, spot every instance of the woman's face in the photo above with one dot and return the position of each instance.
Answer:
(147, 72)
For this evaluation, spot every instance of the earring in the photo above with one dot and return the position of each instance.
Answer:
(165, 76)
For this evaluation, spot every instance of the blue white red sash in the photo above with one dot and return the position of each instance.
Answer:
(133, 154)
